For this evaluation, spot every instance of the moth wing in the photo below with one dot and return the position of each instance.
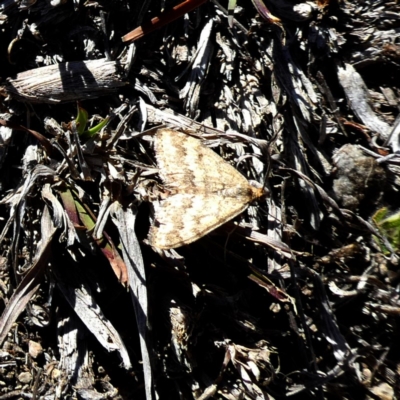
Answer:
(184, 161)
(183, 218)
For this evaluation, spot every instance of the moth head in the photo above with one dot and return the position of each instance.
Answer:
(259, 192)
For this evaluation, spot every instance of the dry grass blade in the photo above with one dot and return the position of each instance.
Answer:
(85, 306)
(31, 281)
(43, 140)
(356, 92)
(125, 219)
(80, 213)
(280, 247)
(71, 336)
(341, 349)
(60, 217)
(199, 69)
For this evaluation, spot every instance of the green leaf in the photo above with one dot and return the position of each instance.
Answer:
(231, 9)
(81, 120)
(388, 226)
(380, 215)
(95, 129)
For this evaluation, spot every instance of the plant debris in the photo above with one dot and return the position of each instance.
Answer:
(296, 296)
(63, 82)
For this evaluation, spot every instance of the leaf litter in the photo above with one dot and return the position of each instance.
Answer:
(296, 296)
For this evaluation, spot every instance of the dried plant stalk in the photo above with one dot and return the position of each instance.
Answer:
(64, 82)
(165, 18)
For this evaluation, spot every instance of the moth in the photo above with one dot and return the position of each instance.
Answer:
(204, 191)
